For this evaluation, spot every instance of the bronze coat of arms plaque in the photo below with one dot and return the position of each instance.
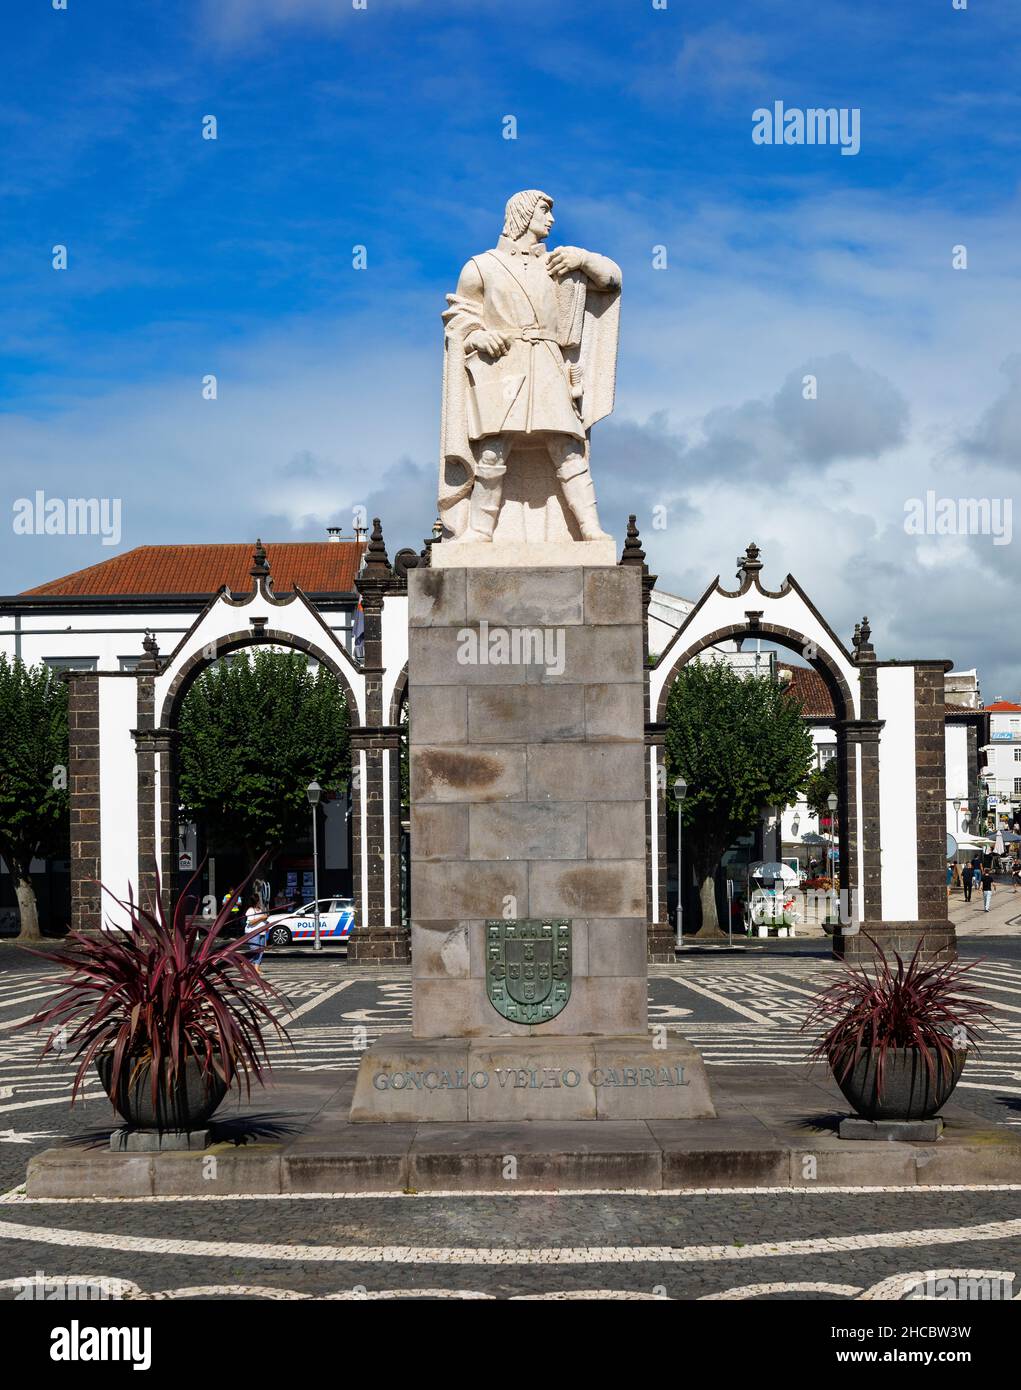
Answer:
(528, 968)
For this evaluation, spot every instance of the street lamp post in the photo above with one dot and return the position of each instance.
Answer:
(957, 816)
(680, 792)
(313, 791)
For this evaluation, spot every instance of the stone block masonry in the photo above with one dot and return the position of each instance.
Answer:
(83, 781)
(527, 786)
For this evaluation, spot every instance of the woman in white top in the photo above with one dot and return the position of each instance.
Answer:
(256, 916)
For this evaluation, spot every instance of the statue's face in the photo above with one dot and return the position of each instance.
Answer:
(542, 220)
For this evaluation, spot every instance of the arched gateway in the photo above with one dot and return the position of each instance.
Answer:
(889, 721)
(124, 737)
(888, 716)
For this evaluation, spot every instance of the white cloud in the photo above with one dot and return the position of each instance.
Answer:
(315, 417)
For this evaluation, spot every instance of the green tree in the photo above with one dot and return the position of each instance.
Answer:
(741, 744)
(255, 730)
(33, 776)
(822, 783)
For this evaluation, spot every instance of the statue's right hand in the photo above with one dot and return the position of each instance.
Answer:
(491, 343)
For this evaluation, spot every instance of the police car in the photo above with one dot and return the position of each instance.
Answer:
(336, 918)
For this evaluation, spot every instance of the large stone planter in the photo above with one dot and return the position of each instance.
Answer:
(909, 1093)
(188, 1109)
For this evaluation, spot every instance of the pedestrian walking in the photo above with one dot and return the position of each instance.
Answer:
(987, 889)
(968, 879)
(256, 916)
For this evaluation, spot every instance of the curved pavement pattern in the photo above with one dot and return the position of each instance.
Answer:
(728, 1244)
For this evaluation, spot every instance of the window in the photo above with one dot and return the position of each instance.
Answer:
(1017, 755)
(72, 663)
(128, 663)
(1017, 786)
(827, 752)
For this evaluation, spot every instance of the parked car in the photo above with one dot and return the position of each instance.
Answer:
(336, 918)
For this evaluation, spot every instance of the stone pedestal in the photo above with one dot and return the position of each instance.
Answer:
(626, 1077)
(527, 753)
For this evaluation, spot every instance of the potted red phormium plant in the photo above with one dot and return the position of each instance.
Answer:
(897, 1038)
(170, 1012)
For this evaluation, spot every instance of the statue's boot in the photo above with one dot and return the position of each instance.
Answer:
(487, 494)
(580, 496)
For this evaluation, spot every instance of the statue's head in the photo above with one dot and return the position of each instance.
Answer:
(530, 211)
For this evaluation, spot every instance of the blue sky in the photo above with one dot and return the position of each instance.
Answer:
(383, 127)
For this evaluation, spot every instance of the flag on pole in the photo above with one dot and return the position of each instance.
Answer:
(359, 632)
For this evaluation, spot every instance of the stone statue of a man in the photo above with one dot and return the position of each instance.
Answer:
(530, 360)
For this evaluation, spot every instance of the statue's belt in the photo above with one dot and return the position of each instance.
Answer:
(523, 335)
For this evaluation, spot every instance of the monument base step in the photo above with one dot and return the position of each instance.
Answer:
(506, 1079)
(776, 1127)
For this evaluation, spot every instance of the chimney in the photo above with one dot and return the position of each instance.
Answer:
(333, 532)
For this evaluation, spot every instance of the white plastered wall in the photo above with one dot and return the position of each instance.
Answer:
(897, 810)
(394, 632)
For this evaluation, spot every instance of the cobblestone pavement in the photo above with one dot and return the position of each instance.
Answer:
(817, 1243)
(812, 1243)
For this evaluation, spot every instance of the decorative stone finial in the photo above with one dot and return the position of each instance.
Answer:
(260, 564)
(150, 661)
(749, 564)
(861, 641)
(377, 562)
(425, 554)
(633, 554)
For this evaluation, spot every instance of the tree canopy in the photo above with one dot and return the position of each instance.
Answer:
(741, 744)
(255, 730)
(33, 775)
(821, 784)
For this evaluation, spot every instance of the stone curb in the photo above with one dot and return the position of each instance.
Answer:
(550, 1157)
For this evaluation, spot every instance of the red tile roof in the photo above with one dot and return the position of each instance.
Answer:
(809, 689)
(1002, 706)
(318, 567)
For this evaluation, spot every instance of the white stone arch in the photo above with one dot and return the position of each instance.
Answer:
(227, 624)
(889, 724)
(787, 616)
